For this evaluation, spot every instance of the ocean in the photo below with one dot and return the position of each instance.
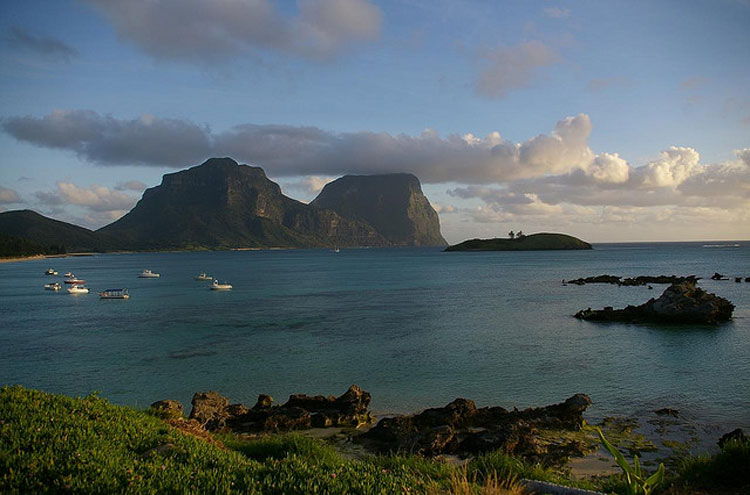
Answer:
(416, 327)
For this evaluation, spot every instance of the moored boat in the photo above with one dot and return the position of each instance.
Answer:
(74, 280)
(50, 271)
(204, 277)
(53, 286)
(217, 286)
(78, 289)
(148, 274)
(114, 294)
(68, 274)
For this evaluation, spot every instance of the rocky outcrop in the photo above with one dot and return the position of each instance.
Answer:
(167, 409)
(461, 428)
(680, 303)
(535, 242)
(299, 412)
(634, 281)
(737, 435)
(392, 203)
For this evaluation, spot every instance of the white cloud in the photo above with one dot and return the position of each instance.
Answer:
(131, 185)
(672, 168)
(100, 204)
(508, 68)
(556, 12)
(208, 31)
(8, 196)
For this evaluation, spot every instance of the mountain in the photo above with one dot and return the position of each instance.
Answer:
(47, 232)
(221, 204)
(533, 242)
(392, 203)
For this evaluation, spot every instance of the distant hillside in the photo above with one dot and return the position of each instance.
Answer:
(393, 204)
(533, 242)
(221, 204)
(47, 232)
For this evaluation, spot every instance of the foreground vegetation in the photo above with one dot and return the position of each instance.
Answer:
(57, 444)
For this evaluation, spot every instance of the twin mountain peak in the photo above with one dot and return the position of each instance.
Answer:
(221, 204)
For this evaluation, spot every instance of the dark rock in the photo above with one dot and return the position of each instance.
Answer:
(680, 303)
(718, 276)
(264, 402)
(737, 435)
(460, 428)
(747, 279)
(457, 413)
(236, 410)
(636, 281)
(168, 409)
(738, 279)
(286, 419)
(210, 409)
(668, 411)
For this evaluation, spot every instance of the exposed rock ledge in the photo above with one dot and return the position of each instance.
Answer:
(680, 303)
(459, 428)
(214, 412)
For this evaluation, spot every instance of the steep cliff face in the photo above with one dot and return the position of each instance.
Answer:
(393, 204)
(221, 204)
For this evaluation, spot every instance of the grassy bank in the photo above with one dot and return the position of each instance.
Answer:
(57, 444)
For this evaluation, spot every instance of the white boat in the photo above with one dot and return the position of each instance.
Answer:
(50, 271)
(217, 286)
(78, 289)
(68, 274)
(337, 250)
(74, 280)
(148, 274)
(114, 294)
(203, 276)
(53, 286)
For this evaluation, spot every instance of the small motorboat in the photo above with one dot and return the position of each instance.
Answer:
(68, 274)
(148, 274)
(217, 286)
(203, 277)
(53, 286)
(50, 271)
(78, 289)
(74, 280)
(114, 294)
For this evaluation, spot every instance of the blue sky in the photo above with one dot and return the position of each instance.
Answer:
(611, 120)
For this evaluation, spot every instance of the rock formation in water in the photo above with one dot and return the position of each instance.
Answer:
(533, 242)
(392, 203)
(680, 303)
(634, 281)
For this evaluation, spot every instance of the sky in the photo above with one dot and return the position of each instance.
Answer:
(609, 120)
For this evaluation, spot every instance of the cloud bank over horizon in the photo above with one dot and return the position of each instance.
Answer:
(554, 175)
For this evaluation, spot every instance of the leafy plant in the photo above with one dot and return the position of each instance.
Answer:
(637, 482)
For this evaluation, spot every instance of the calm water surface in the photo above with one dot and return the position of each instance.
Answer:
(416, 327)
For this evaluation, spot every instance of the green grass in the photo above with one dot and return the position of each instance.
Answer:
(729, 468)
(57, 444)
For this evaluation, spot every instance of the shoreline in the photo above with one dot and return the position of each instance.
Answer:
(18, 259)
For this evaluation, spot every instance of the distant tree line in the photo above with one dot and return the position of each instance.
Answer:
(11, 247)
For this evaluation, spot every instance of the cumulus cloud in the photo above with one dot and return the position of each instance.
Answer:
(216, 30)
(304, 151)
(95, 198)
(41, 45)
(147, 140)
(508, 68)
(8, 196)
(444, 209)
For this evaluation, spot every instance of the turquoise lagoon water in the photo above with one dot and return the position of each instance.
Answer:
(416, 327)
